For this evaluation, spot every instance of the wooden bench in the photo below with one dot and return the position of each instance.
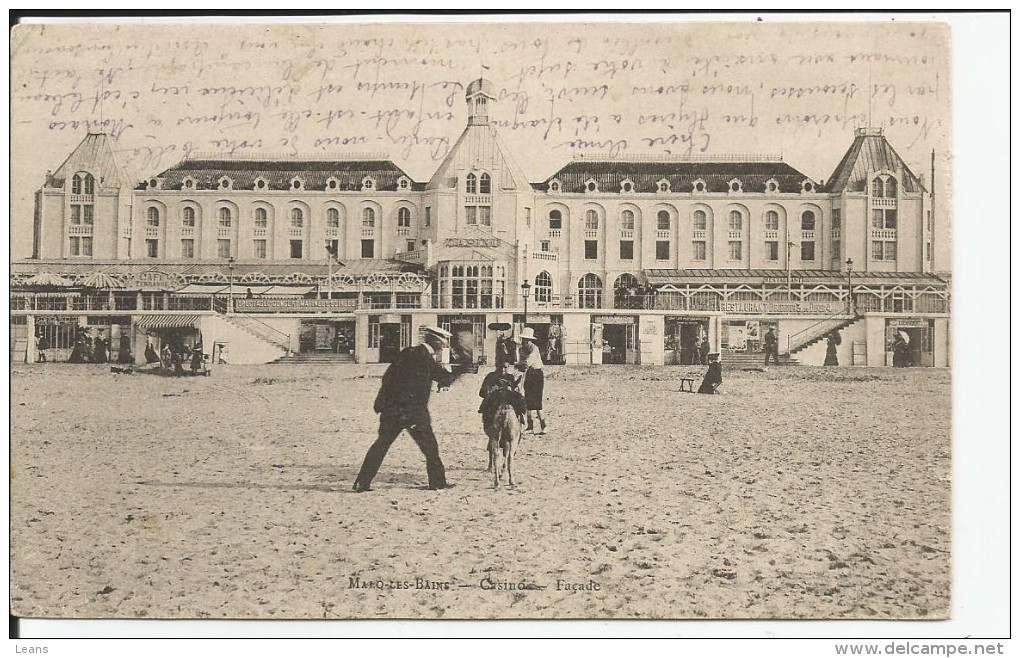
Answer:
(688, 382)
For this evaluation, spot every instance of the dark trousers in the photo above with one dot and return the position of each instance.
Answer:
(390, 427)
(772, 351)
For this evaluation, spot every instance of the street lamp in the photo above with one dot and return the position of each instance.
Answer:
(329, 270)
(850, 285)
(525, 289)
(231, 263)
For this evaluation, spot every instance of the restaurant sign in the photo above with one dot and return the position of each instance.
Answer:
(781, 307)
(263, 305)
(613, 319)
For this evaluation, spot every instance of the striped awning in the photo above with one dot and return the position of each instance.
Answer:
(166, 321)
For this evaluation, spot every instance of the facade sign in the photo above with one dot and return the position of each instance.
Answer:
(907, 322)
(613, 319)
(472, 242)
(293, 305)
(683, 319)
(781, 307)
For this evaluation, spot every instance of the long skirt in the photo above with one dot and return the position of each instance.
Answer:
(534, 389)
(830, 356)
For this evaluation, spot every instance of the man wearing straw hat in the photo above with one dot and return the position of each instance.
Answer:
(534, 380)
(403, 404)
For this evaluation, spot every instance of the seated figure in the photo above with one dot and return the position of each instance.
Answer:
(713, 378)
(499, 387)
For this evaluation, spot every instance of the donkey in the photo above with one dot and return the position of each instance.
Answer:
(506, 432)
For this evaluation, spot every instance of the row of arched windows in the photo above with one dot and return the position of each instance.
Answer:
(481, 184)
(225, 215)
(589, 288)
(699, 219)
(883, 187)
(83, 183)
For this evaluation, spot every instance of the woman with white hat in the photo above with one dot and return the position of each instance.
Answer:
(531, 364)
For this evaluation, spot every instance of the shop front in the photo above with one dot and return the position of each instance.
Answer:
(179, 333)
(319, 335)
(746, 335)
(614, 339)
(684, 339)
(909, 342)
(467, 345)
(549, 333)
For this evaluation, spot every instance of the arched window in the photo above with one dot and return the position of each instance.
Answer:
(188, 216)
(736, 221)
(153, 216)
(368, 217)
(261, 218)
(404, 217)
(484, 184)
(76, 184)
(225, 218)
(627, 220)
(807, 221)
(663, 220)
(625, 291)
(471, 184)
(555, 219)
(543, 287)
(591, 220)
(589, 291)
(700, 220)
(890, 187)
(332, 218)
(877, 189)
(771, 220)
(297, 218)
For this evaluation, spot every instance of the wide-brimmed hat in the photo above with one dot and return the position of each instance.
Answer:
(528, 334)
(439, 332)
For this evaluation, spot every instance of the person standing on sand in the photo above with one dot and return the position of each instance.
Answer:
(771, 346)
(833, 341)
(530, 364)
(713, 378)
(403, 404)
(703, 349)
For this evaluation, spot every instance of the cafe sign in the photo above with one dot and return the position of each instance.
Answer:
(759, 308)
(260, 305)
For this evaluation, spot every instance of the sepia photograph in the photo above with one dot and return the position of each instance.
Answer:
(481, 320)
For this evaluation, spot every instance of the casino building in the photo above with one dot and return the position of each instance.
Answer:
(629, 261)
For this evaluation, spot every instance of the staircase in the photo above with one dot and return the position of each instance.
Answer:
(260, 330)
(821, 334)
(750, 360)
(315, 358)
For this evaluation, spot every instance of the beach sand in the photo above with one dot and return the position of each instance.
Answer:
(799, 493)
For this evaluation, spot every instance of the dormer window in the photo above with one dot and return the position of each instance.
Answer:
(189, 183)
(368, 183)
(296, 183)
(808, 186)
(699, 186)
(627, 186)
(554, 186)
(471, 184)
(153, 184)
(332, 183)
(260, 184)
(771, 186)
(83, 183)
(663, 186)
(736, 186)
(591, 186)
(226, 183)
(484, 184)
(403, 183)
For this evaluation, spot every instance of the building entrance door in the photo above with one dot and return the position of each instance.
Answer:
(614, 343)
(389, 342)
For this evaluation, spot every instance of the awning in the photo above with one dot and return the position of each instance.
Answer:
(202, 289)
(757, 277)
(285, 291)
(166, 321)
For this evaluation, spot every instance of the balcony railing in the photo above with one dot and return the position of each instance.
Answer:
(403, 230)
(79, 229)
(626, 233)
(187, 231)
(367, 231)
(151, 232)
(545, 255)
(807, 235)
(259, 233)
(296, 232)
(883, 203)
(82, 198)
(555, 232)
(834, 235)
(736, 235)
(883, 233)
(771, 235)
(699, 234)
(591, 233)
(662, 235)
(223, 232)
(332, 232)
(478, 199)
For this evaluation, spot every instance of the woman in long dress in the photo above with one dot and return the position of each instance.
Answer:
(530, 364)
(831, 358)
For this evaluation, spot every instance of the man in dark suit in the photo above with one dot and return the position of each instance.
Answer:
(403, 403)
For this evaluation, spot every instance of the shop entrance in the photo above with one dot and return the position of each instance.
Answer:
(549, 335)
(389, 341)
(320, 336)
(909, 342)
(467, 345)
(614, 339)
(686, 341)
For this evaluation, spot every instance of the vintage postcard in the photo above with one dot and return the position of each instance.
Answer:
(481, 321)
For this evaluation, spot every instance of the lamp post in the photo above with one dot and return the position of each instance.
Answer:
(230, 301)
(850, 285)
(525, 289)
(329, 270)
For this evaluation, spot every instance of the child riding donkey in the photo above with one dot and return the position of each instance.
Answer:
(503, 411)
